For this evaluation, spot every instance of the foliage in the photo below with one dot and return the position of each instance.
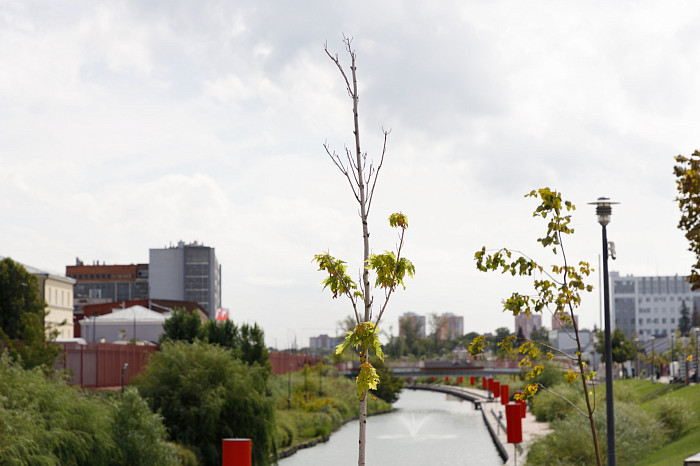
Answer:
(635, 434)
(44, 421)
(687, 174)
(684, 320)
(204, 395)
(391, 386)
(139, 434)
(252, 346)
(224, 334)
(181, 325)
(558, 290)
(623, 349)
(675, 415)
(540, 335)
(22, 313)
(547, 407)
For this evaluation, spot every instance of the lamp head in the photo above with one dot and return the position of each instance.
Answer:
(603, 209)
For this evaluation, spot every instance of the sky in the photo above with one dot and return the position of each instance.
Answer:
(130, 125)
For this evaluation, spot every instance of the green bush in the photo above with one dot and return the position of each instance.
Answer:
(139, 433)
(548, 407)
(674, 414)
(205, 395)
(571, 443)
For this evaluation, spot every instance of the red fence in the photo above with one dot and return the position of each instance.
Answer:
(284, 362)
(98, 365)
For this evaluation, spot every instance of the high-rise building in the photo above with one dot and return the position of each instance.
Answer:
(409, 321)
(186, 272)
(650, 306)
(527, 324)
(451, 326)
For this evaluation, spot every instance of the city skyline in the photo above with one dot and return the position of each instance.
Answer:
(128, 126)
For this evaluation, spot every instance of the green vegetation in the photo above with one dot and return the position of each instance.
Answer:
(317, 406)
(22, 313)
(654, 425)
(204, 395)
(43, 421)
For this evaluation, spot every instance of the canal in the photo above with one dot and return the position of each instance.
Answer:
(427, 428)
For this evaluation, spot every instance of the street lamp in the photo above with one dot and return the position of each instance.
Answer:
(696, 330)
(126, 365)
(653, 360)
(604, 212)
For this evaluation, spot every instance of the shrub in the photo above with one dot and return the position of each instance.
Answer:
(548, 407)
(674, 414)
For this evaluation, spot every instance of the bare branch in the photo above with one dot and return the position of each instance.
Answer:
(336, 60)
(565, 399)
(379, 167)
(338, 163)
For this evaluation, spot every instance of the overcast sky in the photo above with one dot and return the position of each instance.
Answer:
(129, 125)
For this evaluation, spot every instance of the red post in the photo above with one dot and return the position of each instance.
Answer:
(237, 452)
(432, 379)
(514, 423)
(489, 382)
(483, 382)
(447, 379)
(504, 394)
(460, 380)
(496, 389)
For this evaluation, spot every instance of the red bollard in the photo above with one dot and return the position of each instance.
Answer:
(489, 382)
(460, 380)
(432, 379)
(237, 452)
(484, 384)
(504, 394)
(514, 423)
(447, 379)
(496, 389)
(472, 380)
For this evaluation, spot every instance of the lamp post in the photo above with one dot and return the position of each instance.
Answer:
(653, 360)
(126, 365)
(696, 330)
(636, 357)
(604, 212)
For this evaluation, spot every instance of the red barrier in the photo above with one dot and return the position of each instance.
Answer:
(447, 379)
(489, 383)
(237, 452)
(496, 389)
(460, 380)
(514, 423)
(484, 384)
(504, 394)
(472, 380)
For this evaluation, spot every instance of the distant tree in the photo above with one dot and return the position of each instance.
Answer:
(252, 345)
(391, 386)
(684, 321)
(205, 395)
(181, 325)
(623, 349)
(540, 335)
(22, 313)
(695, 318)
(501, 334)
(223, 333)
(687, 174)
(520, 335)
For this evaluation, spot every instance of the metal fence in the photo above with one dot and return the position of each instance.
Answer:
(99, 365)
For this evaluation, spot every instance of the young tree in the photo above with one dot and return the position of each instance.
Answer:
(688, 184)
(684, 320)
(389, 268)
(181, 325)
(558, 290)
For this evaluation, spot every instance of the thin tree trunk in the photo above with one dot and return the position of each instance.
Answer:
(365, 237)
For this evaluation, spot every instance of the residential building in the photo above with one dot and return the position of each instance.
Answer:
(324, 342)
(451, 326)
(101, 283)
(527, 324)
(649, 306)
(409, 320)
(186, 272)
(57, 291)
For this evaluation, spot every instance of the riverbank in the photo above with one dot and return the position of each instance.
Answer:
(494, 414)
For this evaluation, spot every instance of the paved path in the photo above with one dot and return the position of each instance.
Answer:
(497, 424)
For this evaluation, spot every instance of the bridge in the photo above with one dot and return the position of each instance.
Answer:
(440, 369)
